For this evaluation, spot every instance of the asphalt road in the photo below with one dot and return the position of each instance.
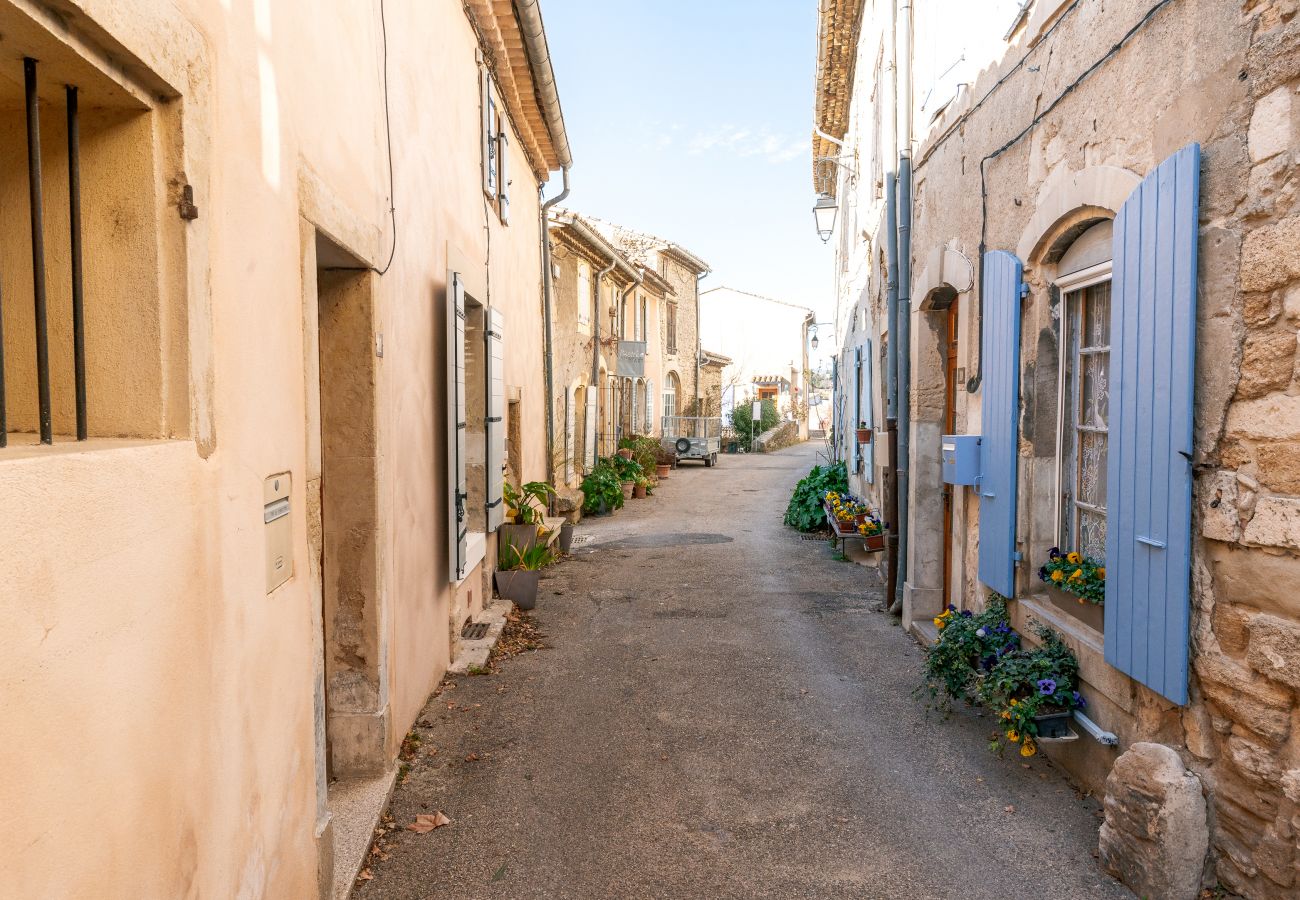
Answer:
(723, 712)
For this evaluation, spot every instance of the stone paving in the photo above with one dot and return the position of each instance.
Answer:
(723, 711)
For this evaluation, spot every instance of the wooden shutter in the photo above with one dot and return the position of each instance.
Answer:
(457, 489)
(869, 414)
(999, 447)
(649, 406)
(1149, 463)
(593, 395)
(495, 422)
(503, 175)
(489, 135)
(857, 407)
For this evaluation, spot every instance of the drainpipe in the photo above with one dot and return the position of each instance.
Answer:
(904, 375)
(548, 292)
(595, 349)
(698, 345)
(891, 307)
(637, 279)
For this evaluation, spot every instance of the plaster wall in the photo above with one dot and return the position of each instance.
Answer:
(143, 637)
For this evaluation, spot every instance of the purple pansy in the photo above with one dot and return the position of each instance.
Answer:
(1079, 701)
(1047, 687)
(1054, 553)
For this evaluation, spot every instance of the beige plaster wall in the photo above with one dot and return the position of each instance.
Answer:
(165, 701)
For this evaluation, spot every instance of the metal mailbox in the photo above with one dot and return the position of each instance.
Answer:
(961, 458)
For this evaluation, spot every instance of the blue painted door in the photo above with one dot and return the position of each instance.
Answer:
(999, 448)
(1149, 469)
(869, 413)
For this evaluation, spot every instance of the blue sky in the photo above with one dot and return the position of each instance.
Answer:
(690, 119)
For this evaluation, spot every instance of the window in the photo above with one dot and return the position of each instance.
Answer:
(672, 331)
(1084, 406)
(584, 295)
(671, 389)
(624, 322)
(496, 152)
(643, 328)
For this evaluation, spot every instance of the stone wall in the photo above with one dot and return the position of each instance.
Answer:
(1223, 73)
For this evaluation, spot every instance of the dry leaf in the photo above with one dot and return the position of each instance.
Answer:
(473, 757)
(1010, 809)
(425, 823)
(364, 875)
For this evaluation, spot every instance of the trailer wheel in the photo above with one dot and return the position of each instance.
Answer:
(708, 462)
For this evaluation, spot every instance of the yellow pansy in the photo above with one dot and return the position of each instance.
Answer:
(1076, 575)
(1074, 558)
(1013, 737)
(1006, 713)
(940, 622)
(1058, 575)
(1101, 571)
(1028, 748)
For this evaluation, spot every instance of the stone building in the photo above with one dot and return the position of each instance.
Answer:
(308, 250)
(1085, 220)
(679, 313)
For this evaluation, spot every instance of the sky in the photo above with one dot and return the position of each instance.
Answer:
(691, 120)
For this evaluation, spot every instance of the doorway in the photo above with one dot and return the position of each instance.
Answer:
(949, 427)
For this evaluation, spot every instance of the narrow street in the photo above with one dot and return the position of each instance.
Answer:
(722, 711)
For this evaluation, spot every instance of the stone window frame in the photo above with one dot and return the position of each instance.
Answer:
(584, 296)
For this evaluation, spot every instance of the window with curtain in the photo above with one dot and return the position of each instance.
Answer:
(1085, 402)
(671, 389)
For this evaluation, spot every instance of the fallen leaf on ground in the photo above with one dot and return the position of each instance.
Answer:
(425, 823)
(473, 757)
(1010, 809)
(364, 875)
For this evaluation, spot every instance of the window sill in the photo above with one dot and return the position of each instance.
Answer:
(475, 550)
(28, 446)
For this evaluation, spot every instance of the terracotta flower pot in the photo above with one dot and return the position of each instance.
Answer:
(864, 435)
(873, 541)
(638, 491)
(627, 489)
(662, 471)
(625, 452)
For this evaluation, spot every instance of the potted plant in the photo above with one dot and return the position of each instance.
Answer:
(601, 490)
(969, 644)
(664, 461)
(873, 534)
(640, 487)
(527, 508)
(1034, 692)
(566, 537)
(519, 571)
(864, 433)
(1081, 577)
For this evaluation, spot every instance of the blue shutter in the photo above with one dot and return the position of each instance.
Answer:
(1149, 468)
(857, 407)
(999, 447)
(869, 414)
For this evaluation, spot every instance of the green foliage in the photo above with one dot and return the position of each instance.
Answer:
(1076, 574)
(645, 450)
(535, 557)
(602, 486)
(805, 510)
(1029, 683)
(529, 502)
(742, 420)
(968, 644)
(626, 469)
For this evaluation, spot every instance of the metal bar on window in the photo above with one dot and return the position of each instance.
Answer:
(38, 249)
(74, 219)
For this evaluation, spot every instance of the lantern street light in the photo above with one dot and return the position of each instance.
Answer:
(814, 341)
(824, 211)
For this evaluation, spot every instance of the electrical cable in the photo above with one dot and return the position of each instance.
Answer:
(388, 132)
(974, 383)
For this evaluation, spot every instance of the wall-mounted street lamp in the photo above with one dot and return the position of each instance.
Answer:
(812, 330)
(824, 211)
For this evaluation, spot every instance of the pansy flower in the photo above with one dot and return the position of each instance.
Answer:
(1047, 687)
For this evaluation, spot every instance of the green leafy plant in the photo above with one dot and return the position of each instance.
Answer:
(529, 502)
(742, 420)
(805, 510)
(645, 450)
(601, 487)
(969, 644)
(1028, 683)
(626, 469)
(531, 559)
(1076, 574)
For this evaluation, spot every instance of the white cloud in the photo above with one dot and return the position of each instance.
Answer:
(765, 144)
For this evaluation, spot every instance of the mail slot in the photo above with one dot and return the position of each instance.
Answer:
(278, 523)
(961, 458)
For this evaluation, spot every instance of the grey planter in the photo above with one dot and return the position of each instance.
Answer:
(518, 586)
(566, 537)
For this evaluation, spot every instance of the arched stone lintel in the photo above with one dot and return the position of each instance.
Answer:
(945, 267)
(1088, 193)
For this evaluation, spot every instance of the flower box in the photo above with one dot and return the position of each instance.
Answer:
(874, 541)
(864, 435)
(1054, 725)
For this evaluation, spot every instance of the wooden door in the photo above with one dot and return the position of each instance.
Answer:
(949, 427)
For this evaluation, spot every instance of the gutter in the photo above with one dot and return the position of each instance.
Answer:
(548, 291)
(903, 382)
(539, 61)
(699, 345)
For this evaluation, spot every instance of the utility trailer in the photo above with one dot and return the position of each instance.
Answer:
(693, 437)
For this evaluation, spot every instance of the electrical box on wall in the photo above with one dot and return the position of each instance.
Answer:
(961, 458)
(279, 530)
